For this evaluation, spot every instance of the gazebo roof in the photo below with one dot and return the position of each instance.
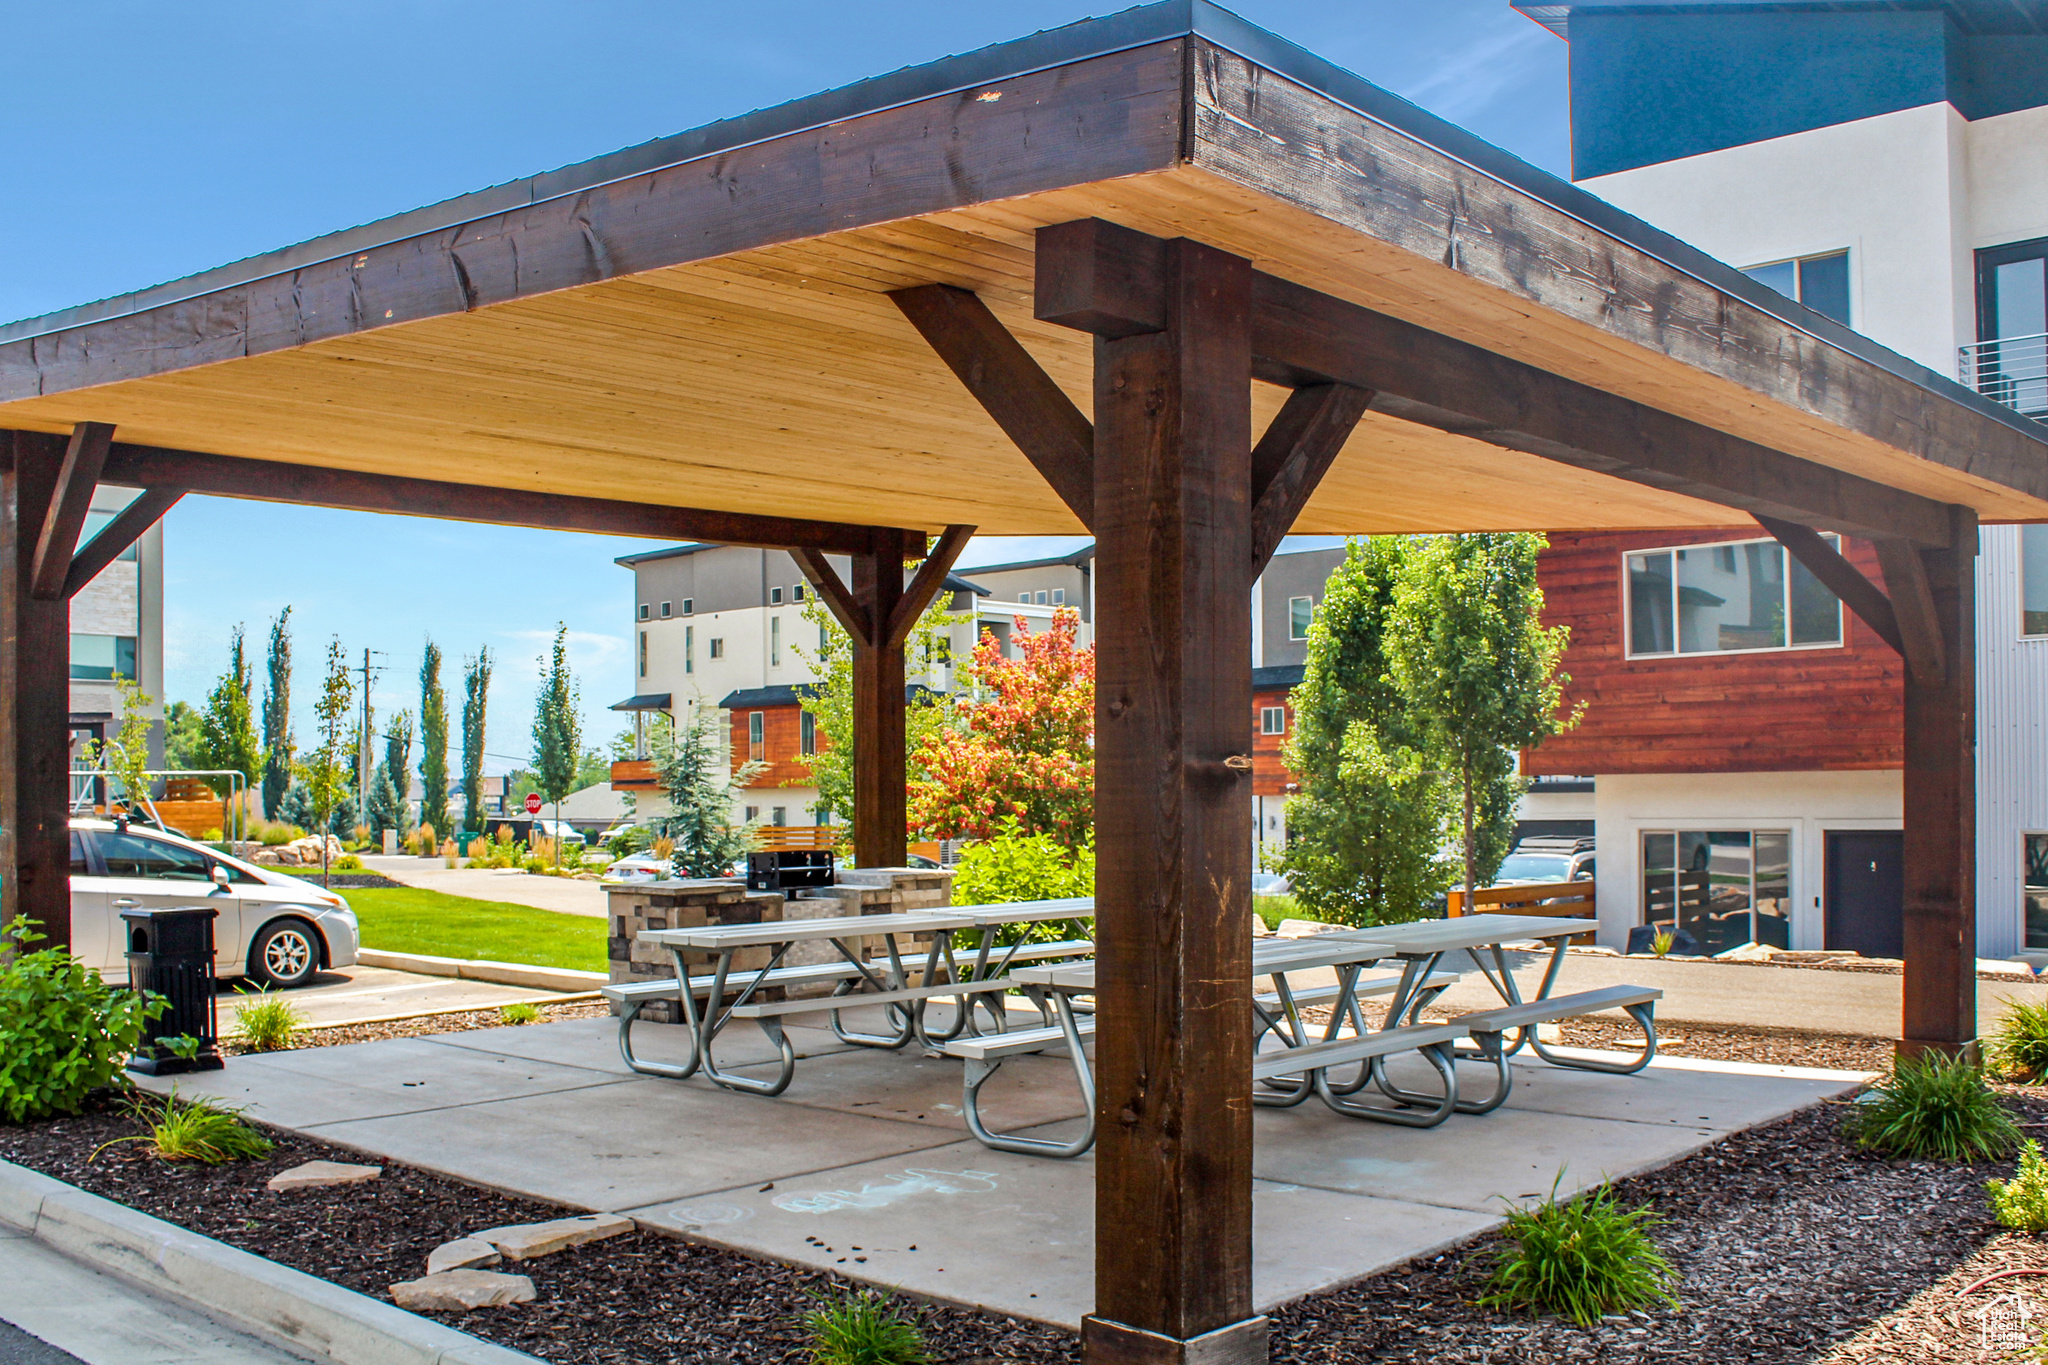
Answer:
(702, 320)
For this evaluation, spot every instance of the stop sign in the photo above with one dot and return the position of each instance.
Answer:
(533, 803)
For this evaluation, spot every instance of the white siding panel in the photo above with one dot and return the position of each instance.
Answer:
(2012, 742)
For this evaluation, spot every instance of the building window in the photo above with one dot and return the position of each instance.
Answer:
(2034, 580)
(95, 522)
(808, 739)
(667, 610)
(1040, 599)
(99, 658)
(645, 611)
(778, 816)
(643, 653)
(757, 734)
(753, 813)
(1721, 599)
(2034, 894)
(717, 647)
(1819, 282)
(775, 642)
(689, 605)
(1724, 887)
(2009, 364)
(1300, 611)
(824, 639)
(796, 592)
(1272, 720)
(1059, 597)
(689, 649)
(774, 597)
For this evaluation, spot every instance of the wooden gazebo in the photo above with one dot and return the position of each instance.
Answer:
(1163, 277)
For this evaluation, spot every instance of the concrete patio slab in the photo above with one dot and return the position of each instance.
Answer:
(906, 1085)
(593, 1044)
(631, 1143)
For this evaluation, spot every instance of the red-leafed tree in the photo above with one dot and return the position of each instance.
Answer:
(1021, 743)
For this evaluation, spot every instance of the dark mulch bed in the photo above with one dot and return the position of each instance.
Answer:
(644, 1297)
(346, 881)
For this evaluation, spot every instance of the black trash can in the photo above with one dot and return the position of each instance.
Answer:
(790, 871)
(170, 952)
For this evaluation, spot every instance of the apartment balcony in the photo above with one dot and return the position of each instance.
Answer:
(2012, 371)
(634, 775)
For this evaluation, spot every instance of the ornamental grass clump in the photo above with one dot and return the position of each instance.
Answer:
(63, 1031)
(519, 1012)
(2022, 1202)
(1932, 1106)
(1581, 1259)
(2019, 1047)
(863, 1328)
(267, 1023)
(195, 1130)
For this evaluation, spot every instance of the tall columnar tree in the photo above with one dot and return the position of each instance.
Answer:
(1019, 753)
(557, 728)
(692, 773)
(476, 691)
(1469, 650)
(227, 728)
(1364, 833)
(433, 744)
(329, 771)
(277, 716)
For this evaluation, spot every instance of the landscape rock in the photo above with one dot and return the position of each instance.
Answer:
(458, 1291)
(464, 1253)
(523, 1241)
(319, 1175)
(1305, 928)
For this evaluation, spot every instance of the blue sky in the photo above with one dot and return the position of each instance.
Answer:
(148, 141)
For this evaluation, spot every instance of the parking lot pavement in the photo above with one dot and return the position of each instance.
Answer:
(357, 994)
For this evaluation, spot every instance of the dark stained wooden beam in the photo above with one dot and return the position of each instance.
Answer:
(825, 581)
(880, 769)
(35, 700)
(925, 584)
(1301, 337)
(79, 474)
(1294, 454)
(1913, 603)
(117, 535)
(1840, 577)
(1938, 591)
(226, 476)
(1033, 411)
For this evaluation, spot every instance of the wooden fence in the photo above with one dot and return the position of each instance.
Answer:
(1566, 900)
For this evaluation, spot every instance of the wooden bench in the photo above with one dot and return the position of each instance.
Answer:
(1433, 1041)
(985, 1055)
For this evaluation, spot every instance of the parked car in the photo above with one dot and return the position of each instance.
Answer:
(1547, 858)
(277, 930)
(636, 867)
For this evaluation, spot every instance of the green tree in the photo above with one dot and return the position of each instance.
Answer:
(277, 716)
(476, 692)
(125, 758)
(329, 771)
(557, 728)
(182, 739)
(433, 744)
(1364, 833)
(1469, 651)
(692, 773)
(227, 727)
(388, 808)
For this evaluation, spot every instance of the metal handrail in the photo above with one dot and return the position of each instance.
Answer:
(232, 829)
(2009, 370)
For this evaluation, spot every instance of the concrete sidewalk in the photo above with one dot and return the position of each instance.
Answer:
(565, 895)
(354, 994)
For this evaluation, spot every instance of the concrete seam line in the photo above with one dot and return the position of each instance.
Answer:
(285, 1305)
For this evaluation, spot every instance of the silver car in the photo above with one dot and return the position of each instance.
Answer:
(275, 929)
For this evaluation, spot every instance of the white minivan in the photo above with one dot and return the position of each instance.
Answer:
(273, 928)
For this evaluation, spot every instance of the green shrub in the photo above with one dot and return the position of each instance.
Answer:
(1933, 1106)
(864, 1328)
(196, 1130)
(63, 1031)
(2022, 1202)
(2019, 1047)
(1273, 909)
(519, 1012)
(1015, 866)
(267, 1023)
(347, 862)
(1581, 1259)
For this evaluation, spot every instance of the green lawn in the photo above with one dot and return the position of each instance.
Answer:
(410, 920)
(1273, 909)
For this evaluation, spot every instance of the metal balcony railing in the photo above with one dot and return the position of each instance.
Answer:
(2012, 371)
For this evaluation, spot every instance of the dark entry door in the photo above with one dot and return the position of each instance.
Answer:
(1866, 892)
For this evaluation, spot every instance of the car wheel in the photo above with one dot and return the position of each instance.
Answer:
(285, 954)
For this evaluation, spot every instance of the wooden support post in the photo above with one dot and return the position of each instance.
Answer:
(1934, 593)
(35, 699)
(1172, 506)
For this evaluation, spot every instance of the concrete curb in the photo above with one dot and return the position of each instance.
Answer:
(284, 1305)
(500, 973)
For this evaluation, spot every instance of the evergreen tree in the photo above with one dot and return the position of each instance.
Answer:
(182, 739)
(387, 808)
(227, 727)
(397, 767)
(557, 729)
(476, 689)
(277, 718)
(1363, 834)
(1469, 650)
(433, 744)
(295, 807)
(691, 771)
(328, 769)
